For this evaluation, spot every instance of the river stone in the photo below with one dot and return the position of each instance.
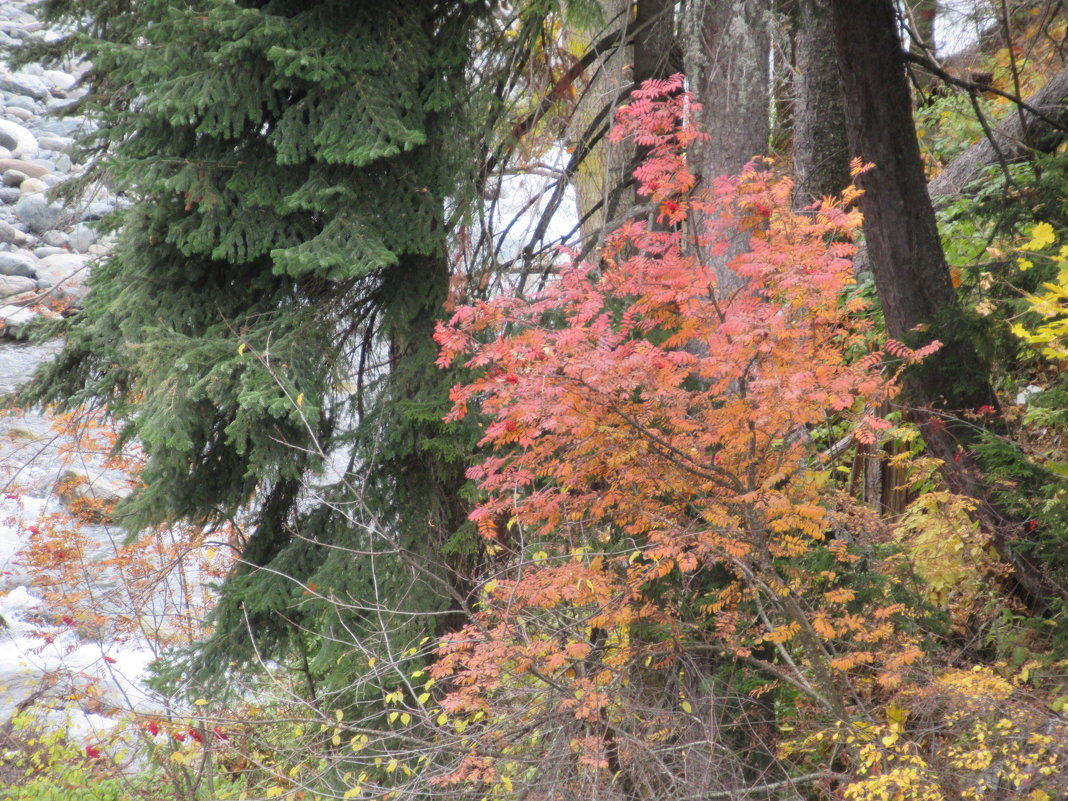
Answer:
(60, 80)
(17, 138)
(18, 264)
(12, 321)
(9, 234)
(30, 168)
(37, 213)
(31, 186)
(63, 163)
(9, 194)
(20, 83)
(56, 239)
(55, 142)
(16, 285)
(66, 272)
(13, 177)
(81, 238)
(19, 113)
(97, 210)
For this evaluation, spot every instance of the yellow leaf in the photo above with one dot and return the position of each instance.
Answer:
(241, 349)
(889, 739)
(406, 718)
(1041, 236)
(274, 792)
(338, 714)
(443, 719)
(355, 791)
(686, 707)
(200, 702)
(423, 698)
(178, 757)
(300, 399)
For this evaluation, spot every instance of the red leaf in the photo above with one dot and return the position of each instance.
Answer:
(91, 752)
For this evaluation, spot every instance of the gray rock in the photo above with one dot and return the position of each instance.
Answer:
(55, 142)
(21, 83)
(61, 80)
(81, 238)
(63, 163)
(97, 210)
(56, 239)
(52, 179)
(31, 186)
(13, 177)
(13, 319)
(17, 138)
(5, 153)
(66, 272)
(37, 213)
(22, 102)
(19, 113)
(19, 264)
(16, 285)
(9, 194)
(45, 251)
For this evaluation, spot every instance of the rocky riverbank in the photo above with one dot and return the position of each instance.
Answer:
(46, 248)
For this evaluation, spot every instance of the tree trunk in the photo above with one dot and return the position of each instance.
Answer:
(911, 276)
(601, 179)
(725, 50)
(821, 152)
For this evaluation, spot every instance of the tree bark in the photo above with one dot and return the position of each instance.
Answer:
(910, 271)
(911, 278)
(725, 50)
(821, 152)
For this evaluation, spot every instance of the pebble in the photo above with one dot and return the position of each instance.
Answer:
(13, 177)
(9, 234)
(30, 185)
(81, 238)
(22, 83)
(60, 80)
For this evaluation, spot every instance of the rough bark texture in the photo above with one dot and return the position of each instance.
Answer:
(969, 166)
(821, 152)
(904, 248)
(725, 51)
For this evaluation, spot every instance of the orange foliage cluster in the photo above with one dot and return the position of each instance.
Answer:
(657, 483)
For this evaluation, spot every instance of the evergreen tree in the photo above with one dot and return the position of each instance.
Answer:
(264, 321)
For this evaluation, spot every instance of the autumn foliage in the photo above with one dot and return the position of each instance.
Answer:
(659, 499)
